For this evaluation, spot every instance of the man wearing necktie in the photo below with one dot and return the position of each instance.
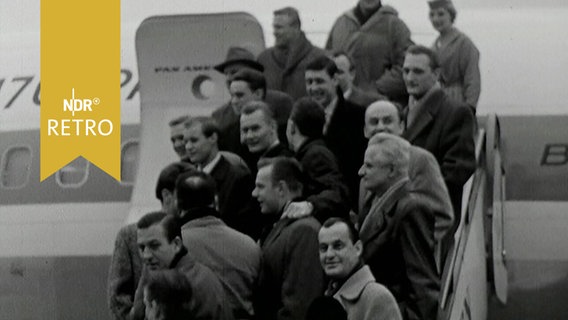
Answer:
(439, 124)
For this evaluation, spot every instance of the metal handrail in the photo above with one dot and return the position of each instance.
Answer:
(451, 271)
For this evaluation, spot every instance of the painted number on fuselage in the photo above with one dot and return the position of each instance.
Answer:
(25, 81)
(22, 82)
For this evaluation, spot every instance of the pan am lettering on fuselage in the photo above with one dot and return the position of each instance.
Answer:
(62, 235)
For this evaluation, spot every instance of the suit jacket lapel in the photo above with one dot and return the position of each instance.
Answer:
(418, 126)
(429, 111)
(276, 231)
(219, 172)
(339, 115)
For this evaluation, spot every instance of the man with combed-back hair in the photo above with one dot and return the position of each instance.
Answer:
(290, 276)
(344, 121)
(161, 248)
(439, 124)
(126, 264)
(398, 232)
(351, 281)
(285, 63)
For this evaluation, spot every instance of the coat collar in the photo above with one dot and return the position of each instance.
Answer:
(178, 257)
(221, 168)
(276, 230)
(375, 17)
(352, 289)
(341, 110)
(430, 109)
(298, 51)
(375, 221)
(454, 34)
(204, 221)
(307, 145)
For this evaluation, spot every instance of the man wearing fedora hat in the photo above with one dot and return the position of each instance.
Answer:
(228, 116)
(237, 59)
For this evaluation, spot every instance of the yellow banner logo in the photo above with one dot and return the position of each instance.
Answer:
(80, 84)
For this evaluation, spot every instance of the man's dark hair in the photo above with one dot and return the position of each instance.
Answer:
(178, 120)
(168, 176)
(195, 189)
(420, 49)
(322, 63)
(285, 169)
(253, 78)
(208, 125)
(172, 292)
(309, 117)
(292, 13)
(253, 106)
(353, 234)
(170, 223)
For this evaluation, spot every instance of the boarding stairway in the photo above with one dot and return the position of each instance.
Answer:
(511, 246)
(509, 257)
(464, 277)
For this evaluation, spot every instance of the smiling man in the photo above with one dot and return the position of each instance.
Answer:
(344, 121)
(352, 282)
(259, 133)
(176, 136)
(240, 66)
(234, 182)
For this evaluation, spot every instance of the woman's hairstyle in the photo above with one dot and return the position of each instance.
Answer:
(446, 4)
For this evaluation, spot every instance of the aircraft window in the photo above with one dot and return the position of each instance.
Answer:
(129, 162)
(74, 174)
(16, 165)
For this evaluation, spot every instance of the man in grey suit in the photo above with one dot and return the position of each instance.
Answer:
(426, 180)
(398, 232)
